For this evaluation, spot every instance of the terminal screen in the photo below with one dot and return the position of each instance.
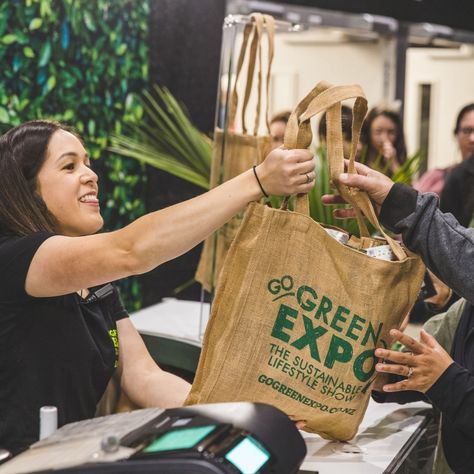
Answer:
(183, 438)
(248, 456)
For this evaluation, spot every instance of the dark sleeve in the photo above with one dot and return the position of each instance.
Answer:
(116, 306)
(16, 254)
(452, 197)
(407, 396)
(446, 247)
(453, 395)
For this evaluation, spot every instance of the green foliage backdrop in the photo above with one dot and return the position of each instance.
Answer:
(82, 62)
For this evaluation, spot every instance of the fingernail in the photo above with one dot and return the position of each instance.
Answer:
(379, 367)
(343, 177)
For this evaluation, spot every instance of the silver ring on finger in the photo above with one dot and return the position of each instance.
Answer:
(410, 372)
(308, 179)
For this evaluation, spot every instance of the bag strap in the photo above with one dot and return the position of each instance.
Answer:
(257, 25)
(255, 52)
(243, 49)
(270, 27)
(298, 134)
(318, 100)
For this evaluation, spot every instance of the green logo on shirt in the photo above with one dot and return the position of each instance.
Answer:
(114, 337)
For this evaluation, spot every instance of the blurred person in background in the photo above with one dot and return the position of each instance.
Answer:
(346, 119)
(434, 180)
(457, 196)
(278, 127)
(382, 141)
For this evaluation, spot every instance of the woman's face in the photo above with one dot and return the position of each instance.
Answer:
(465, 134)
(69, 187)
(382, 130)
(277, 131)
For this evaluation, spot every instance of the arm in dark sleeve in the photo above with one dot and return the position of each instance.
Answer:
(446, 247)
(116, 307)
(452, 198)
(407, 396)
(453, 395)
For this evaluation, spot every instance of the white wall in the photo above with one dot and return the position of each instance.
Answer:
(303, 59)
(450, 73)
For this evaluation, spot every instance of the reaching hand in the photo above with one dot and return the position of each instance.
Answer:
(286, 172)
(375, 184)
(422, 367)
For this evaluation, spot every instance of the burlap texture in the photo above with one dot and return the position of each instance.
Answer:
(297, 315)
(296, 319)
(241, 153)
(235, 152)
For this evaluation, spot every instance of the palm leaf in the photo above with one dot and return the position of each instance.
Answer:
(166, 139)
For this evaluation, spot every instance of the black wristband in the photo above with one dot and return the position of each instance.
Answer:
(258, 181)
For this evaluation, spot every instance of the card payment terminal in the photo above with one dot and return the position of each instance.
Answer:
(224, 438)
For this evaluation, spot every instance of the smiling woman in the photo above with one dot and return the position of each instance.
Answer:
(69, 186)
(56, 347)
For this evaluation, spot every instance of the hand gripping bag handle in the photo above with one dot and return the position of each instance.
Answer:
(298, 135)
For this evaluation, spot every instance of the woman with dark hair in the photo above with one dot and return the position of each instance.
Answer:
(464, 131)
(457, 196)
(63, 330)
(346, 121)
(278, 127)
(383, 141)
(434, 180)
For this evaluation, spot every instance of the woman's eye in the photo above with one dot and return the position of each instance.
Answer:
(69, 166)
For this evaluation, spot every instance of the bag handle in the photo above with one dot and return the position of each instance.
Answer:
(270, 27)
(298, 134)
(255, 53)
(315, 102)
(257, 24)
(243, 49)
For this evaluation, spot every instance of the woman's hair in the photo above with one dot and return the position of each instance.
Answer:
(281, 117)
(465, 110)
(399, 143)
(23, 150)
(346, 121)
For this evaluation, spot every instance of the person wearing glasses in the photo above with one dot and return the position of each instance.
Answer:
(434, 180)
(382, 141)
(457, 196)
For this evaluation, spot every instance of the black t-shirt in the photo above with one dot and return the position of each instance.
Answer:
(53, 351)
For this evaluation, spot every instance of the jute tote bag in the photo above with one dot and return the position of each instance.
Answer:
(297, 315)
(235, 152)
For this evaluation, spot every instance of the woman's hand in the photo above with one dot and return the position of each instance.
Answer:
(388, 151)
(390, 154)
(422, 367)
(375, 184)
(286, 172)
